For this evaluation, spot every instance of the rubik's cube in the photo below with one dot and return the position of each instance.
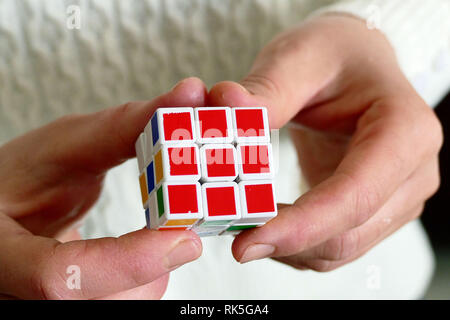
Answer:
(207, 169)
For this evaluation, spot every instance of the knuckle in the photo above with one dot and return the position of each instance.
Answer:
(435, 183)
(116, 116)
(432, 129)
(342, 247)
(362, 200)
(44, 282)
(48, 282)
(262, 83)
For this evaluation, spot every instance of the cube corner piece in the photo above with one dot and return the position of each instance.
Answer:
(172, 125)
(251, 124)
(179, 204)
(258, 202)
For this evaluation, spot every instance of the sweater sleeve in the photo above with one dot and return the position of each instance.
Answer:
(418, 30)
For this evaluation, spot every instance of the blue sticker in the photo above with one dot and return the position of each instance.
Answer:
(147, 217)
(150, 177)
(155, 131)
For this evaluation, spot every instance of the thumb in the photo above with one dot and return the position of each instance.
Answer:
(287, 76)
(104, 139)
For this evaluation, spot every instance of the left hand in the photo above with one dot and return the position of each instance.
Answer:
(368, 148)
(50, 177)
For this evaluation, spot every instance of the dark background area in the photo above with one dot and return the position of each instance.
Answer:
(436, 216)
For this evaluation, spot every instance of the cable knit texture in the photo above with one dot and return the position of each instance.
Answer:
(135, 50)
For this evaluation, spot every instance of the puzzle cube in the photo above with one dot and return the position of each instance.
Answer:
(219, 162)
(219, 146)
(251, 124)
(213, 125)
(175, 205)
(255, 161)
(177, 163)
(171, 126)
(221, 205)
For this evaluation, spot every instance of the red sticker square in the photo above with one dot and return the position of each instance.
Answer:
(259, 198)
(213, 123)
(182, 198)
(177, 126)
(255, 159)
(220, 162)
(221, 201)
(249, 122)
(182, 161)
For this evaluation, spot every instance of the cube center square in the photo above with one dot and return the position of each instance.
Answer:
(219, 162)
(206, 169)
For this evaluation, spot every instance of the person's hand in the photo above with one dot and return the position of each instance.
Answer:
(50, 177)
(367, 143)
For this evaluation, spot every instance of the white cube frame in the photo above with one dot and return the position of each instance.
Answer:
(140, 147)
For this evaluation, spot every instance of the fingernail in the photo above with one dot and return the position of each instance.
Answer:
(185, 251)
(257, 251)
(243, 88)
(178, 84)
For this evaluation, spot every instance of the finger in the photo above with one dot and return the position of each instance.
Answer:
(325, 265)
(151, 291)
(38, 268)
(377, 162)
(98, 141)
(399, 210)
(291, 73)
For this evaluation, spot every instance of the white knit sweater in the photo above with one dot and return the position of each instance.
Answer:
(129, 50)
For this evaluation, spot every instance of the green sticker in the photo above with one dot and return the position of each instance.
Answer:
(232, 228)
(216, 223)
(159, 195)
